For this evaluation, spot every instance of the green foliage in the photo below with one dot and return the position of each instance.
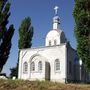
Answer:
(25, 34)
(6, 34)
(82, 30)
(25, 38)
(14, 71)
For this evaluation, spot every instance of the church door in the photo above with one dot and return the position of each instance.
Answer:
(47, 71)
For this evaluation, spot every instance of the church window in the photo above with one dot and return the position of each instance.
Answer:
(49, 43)
(39, 65)
(57, 65)
(32, 66)
(55, 42)
(25, 67)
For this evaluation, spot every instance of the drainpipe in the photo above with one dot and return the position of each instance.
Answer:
(66, 58)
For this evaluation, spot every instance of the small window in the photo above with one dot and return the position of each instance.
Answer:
(55, 42)
(49, 43)
(39, 65)
(57, 65)
(32, 66)
(25, 67)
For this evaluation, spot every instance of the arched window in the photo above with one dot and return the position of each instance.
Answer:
(57, 65)
(49, 43)
(39, 65)
(55, 42)
(25, 67)
(32, 66)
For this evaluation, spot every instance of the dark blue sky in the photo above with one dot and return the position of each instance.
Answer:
(41, 13)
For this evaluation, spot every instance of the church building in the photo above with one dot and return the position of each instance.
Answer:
(56, 61)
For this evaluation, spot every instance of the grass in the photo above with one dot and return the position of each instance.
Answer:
(39, 85)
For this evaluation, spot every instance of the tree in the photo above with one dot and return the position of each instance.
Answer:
(6, 34)
(14, 71)
(25, 34)
(82, 30)
(25, 38)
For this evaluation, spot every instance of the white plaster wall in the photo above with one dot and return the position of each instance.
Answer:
(49, 54)
(53, 53)
(38, 75)
(57, 35)
(51, 36)
(23, 58)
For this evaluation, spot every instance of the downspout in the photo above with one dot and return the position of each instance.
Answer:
(66, 58)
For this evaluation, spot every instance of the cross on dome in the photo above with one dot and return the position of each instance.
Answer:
(56, 19)
(56, 9)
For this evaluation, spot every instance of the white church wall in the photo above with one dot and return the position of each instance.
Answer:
(59, 75)
(36, 75)
(49, 54)
(51, 36)
(53, 53)
(24, 58)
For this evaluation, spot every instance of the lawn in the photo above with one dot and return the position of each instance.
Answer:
(39, 85)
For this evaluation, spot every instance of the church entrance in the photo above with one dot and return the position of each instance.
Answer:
(47, 71)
